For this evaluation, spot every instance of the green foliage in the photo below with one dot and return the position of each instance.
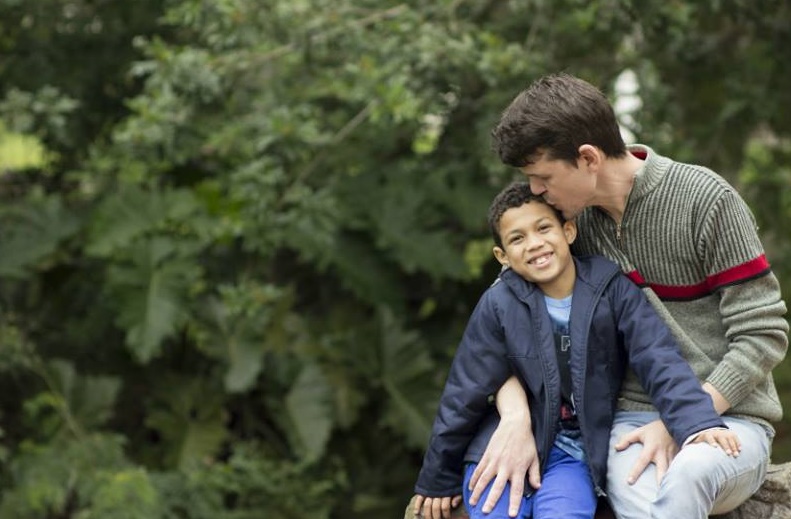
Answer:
(234, 271)
(31, 232)
(188, 414)
(309, 406)
(79, 478)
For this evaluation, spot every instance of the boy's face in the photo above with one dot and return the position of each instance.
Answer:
(563, 186)
(536, 246)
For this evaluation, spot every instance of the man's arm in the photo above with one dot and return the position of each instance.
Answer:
(752, 311)
(511, 452)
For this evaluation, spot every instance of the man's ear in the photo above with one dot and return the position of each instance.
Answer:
(500, 256)
(591, 156)
(570, 230)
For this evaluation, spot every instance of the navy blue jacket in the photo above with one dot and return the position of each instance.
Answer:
(612, 324)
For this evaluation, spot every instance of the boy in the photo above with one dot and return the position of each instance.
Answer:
(566, 327)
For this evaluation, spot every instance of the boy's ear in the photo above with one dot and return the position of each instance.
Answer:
(500, 256)
(570, 230)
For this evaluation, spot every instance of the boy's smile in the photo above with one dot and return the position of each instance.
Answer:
(536, 246)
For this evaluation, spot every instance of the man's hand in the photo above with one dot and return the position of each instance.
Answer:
(510, 454)
(719, 437)
(435, 507)
(659, 448)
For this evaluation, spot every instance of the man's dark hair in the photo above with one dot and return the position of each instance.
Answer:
(557, 114)
(514, 195)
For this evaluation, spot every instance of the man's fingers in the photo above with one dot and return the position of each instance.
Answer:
(638, 468)
(515, 498)
(661, 468)
(478, 483)
(626, 440)
(476, 474)
(494, 493)
(534, 475)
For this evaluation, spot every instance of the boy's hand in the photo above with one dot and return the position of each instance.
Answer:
(435, 507)
(723, 438)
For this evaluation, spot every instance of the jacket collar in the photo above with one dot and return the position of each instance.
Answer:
(592, 272)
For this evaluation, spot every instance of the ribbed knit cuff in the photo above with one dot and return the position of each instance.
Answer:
(729, 383)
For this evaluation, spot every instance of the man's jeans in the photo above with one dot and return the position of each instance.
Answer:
(701, 479)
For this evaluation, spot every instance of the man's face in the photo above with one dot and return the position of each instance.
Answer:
(570, 189)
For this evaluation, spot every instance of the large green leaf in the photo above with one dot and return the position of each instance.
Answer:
(408, 376)
(309, 405)
(50, 479)
(88, 400)
(189, 415)
(31, 232)
(239, 325)
(126, 215)
(151, 290)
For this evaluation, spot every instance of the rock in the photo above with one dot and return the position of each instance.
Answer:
(772, 501)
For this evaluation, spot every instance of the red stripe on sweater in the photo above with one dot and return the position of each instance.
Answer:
(738, 274)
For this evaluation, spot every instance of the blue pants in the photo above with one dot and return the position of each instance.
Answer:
(566, 492)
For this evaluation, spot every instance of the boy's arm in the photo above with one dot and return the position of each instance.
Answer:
(684, 405)
(511, 452)
(659, 447)
(479, 368)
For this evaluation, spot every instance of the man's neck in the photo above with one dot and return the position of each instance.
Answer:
(615, 184)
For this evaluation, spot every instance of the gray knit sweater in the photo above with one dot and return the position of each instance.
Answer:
(691, 242)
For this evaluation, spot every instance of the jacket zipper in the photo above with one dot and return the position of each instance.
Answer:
(548, 420)
(597, 489)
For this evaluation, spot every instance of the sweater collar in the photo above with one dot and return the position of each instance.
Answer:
(654, 168)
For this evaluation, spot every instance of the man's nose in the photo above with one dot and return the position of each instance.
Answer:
(536, 186)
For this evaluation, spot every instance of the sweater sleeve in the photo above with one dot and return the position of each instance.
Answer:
(661, 369)
(751, 307)
(479, 368)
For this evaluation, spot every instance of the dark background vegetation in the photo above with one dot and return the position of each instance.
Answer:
(244, 236)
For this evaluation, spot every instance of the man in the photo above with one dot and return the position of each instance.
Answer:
(684, 235)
